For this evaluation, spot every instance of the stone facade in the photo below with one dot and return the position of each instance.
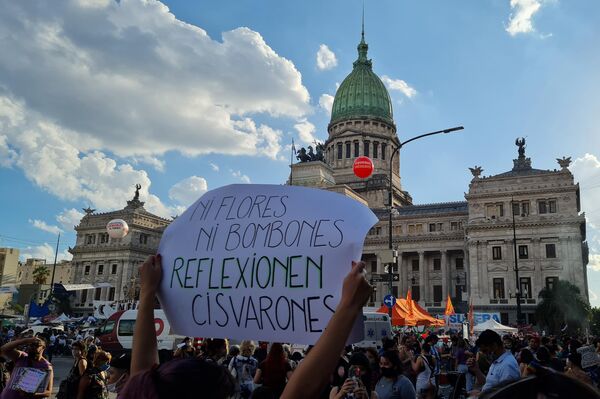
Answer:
(111, 265)
(63, 273)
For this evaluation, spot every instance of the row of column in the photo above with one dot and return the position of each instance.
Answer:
(332, 151)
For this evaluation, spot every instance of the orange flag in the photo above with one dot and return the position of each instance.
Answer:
(449, 308)
(409, 302)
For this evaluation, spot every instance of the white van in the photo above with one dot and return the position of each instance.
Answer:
(33, 330)
(116, 334)
(377, 327)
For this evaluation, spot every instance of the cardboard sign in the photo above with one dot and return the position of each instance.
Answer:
(261, 262)
(29, 379)
(589, 357)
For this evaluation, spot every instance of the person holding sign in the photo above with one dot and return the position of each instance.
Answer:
(179, 378)
(32, 375)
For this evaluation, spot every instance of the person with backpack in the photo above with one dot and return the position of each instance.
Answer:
(69, 386)
(243, 368)
(424, 365)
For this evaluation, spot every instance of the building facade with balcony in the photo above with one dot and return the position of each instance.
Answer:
(111, 265)
(463, 249)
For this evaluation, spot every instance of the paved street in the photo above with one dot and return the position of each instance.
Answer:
(62, 365)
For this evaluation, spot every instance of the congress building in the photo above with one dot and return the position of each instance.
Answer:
(465, 248)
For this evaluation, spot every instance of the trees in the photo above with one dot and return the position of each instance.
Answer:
(595, 322)
(560, 305)
(40, 274)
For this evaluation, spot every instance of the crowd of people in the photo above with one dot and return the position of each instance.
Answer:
(407, 366)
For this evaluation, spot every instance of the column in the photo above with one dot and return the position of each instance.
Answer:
(445, 275)
(403, 274)
(422, 276)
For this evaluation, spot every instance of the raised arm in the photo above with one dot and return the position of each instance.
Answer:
(144, 353)
(10, 351)
(323, 357)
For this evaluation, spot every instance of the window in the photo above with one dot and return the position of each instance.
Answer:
(547, 206)
(356, 149)
(431, 227)
(100, 269)
(415, 265)
(143, 238)
(90, 239)
(103, 238)
(454, 226)
(375, 149)
(126, 328)
(525, 208)
(520, 208)
(418, 228)
(339, 151)
(348, 148)
(516, 208)
(374, 266)
(108, 327)
(84, 296)
(495, 210)
(440, 226)
(383, 147)
(550, 250)
(460, 263)
(525, 286)
(498, 288)
(113, 269)
(416, 293)
(496, 253)
(411, 229)
(97, 294)
(437, 264)
(551, 282)
(523, 252)
(87, 270)
(111, 294)
(366, 148)
(437, 293)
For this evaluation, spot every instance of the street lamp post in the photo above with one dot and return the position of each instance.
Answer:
(518, 290)
(390, 197)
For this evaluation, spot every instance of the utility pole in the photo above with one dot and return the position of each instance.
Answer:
(54, 268)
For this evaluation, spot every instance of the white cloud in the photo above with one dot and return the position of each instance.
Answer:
(594, 262)
(326, 102)
(7, 154)
(44, 251)
(306, 131)
(131, 79)
(399, 85)
(520, 20)
(188, 190)
(326, 58)
(40, 224)
(214, 167)
(238, 175)
(69, 218)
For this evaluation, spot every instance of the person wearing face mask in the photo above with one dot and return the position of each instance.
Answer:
(69, 386)
(358, 383)
(118, 373)
(93, 382)
(392, 384)
(31, 358)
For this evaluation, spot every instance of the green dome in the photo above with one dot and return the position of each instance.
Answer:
(362, 94)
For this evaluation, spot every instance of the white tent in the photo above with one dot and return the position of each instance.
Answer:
(62, 318)
(493, 325)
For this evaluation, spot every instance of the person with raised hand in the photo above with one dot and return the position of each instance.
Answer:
(312, 375)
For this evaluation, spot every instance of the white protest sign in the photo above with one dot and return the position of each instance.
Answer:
(589, 357)
(261, 262)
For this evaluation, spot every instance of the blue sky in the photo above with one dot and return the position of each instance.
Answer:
(182, 96)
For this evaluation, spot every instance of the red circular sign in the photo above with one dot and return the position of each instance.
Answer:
(363, 167)
(159, 325)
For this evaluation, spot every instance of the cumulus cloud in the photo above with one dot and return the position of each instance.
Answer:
(188, 190)
(214, 167)
(130, 78)
(326, 102)
(44, 251)
(7, 154)
(239, 175)
(399, 85)
(520, 20)
(40, 224)
(306, 131)
(594, 262)
(69, 218)
(326, 58)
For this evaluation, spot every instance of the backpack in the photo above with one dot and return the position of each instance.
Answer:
(243, 370)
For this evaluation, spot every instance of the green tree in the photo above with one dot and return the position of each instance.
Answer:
(595, 322)
(563, 304)
(14, 306)
(40, 274)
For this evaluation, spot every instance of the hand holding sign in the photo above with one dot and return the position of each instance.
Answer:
(260, 262)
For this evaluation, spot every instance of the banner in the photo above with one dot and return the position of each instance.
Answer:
(455, 321)
(104, 309)
(261, 262)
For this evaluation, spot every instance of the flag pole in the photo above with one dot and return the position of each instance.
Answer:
(292, 152)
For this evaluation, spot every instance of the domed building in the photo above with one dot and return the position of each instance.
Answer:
(463, 249)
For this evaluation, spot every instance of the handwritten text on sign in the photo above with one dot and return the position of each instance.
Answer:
(260, 262)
